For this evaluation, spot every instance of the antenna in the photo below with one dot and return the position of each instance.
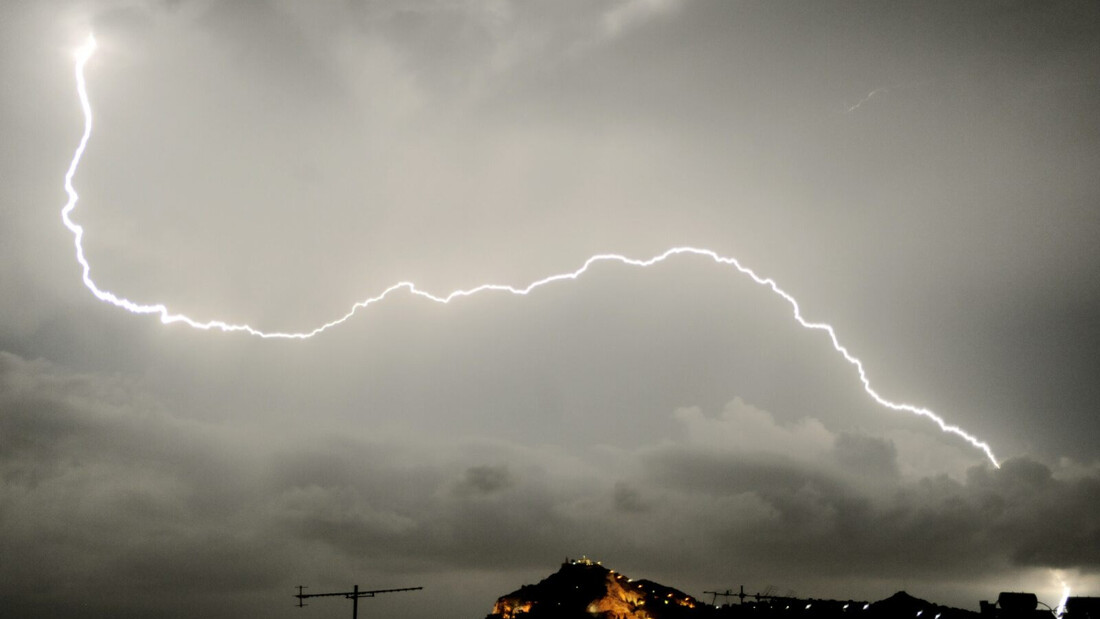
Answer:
(727, 594)
(301, 597)
(352, 595)
(714, 595)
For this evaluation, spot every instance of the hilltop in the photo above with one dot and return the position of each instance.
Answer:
(584, 589)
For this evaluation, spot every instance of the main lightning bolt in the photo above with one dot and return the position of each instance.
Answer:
(168, 317)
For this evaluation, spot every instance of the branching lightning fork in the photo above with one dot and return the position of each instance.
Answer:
(168, 317)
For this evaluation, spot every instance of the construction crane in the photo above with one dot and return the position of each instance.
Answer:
(727, 594)
(352, 595)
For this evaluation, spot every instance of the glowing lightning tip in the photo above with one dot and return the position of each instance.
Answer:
(86, 50)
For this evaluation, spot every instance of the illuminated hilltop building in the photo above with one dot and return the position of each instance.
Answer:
(584, 589)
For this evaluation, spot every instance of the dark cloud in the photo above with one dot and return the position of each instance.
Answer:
(1038, 518)
(106, 488)
(1019, 515)
(628, 499)
(866, 456)
(485, 479)
(107, 491)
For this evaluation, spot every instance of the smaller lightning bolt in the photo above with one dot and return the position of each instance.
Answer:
(885, 89)
(168, 317)
(1061, 608)
(865, 99)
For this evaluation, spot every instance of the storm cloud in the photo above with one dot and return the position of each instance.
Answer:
(920, 175)
(106, 489)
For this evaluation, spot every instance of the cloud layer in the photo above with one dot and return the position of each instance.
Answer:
(127, 503)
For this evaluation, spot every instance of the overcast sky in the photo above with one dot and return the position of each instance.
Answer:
(923, 176)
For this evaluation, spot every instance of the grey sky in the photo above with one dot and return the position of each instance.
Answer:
(920, 175)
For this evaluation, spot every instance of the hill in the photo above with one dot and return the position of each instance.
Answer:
(583, 589)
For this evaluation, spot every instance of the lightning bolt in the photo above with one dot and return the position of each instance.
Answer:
(882, 90)
(1061, 608)
(84, 53)
(865, 99)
